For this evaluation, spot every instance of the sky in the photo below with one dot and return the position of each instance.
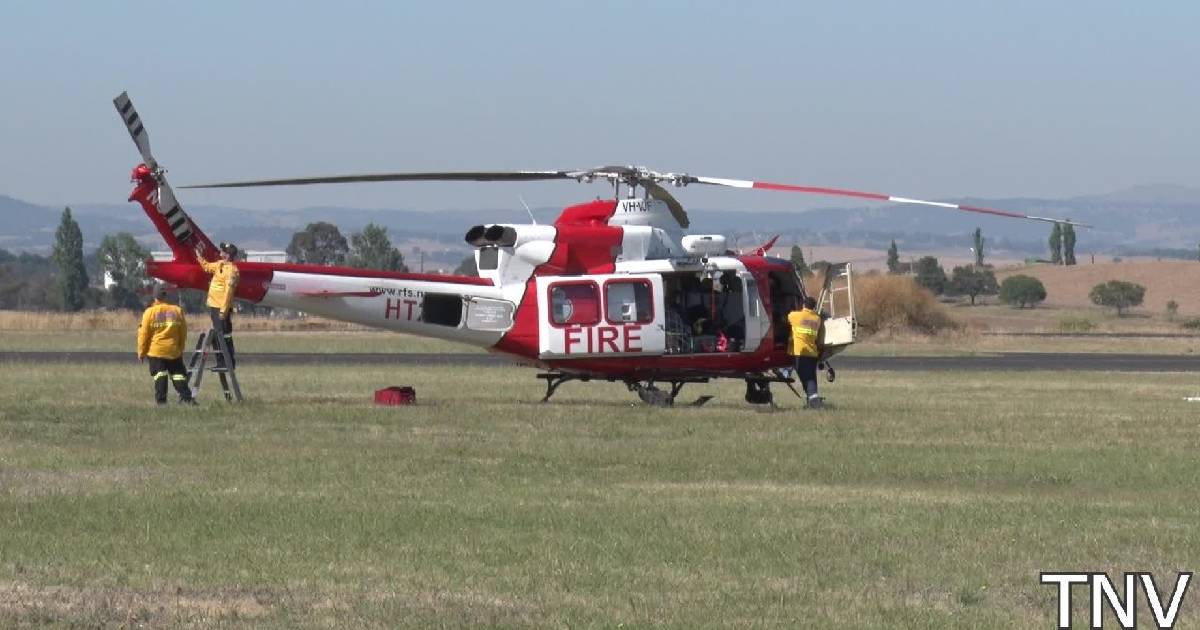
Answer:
(920, 99)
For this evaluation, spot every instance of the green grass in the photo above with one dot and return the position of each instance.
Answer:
(926, 500)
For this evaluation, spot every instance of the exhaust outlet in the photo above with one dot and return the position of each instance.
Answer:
(475, 236)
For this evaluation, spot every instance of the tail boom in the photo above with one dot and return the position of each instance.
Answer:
(172, 223)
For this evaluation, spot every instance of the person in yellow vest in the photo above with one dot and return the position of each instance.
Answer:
(161, 338)
(221, 290)
(803, 345)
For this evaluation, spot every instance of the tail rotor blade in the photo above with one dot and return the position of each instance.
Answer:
(177, 219)
(164, 201)
(858, 194)
(137, 130)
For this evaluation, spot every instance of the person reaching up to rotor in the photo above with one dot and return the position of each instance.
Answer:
(803, 345)
(221, 290)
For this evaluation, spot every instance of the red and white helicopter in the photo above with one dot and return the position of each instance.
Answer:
(612, 290)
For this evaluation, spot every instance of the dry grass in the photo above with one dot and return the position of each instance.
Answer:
(896, 305)
(128, 320)
(1068, 287)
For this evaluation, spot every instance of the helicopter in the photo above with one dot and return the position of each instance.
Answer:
(612, 290)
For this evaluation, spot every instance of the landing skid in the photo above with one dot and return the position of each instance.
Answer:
(647, 391)
(555, 379)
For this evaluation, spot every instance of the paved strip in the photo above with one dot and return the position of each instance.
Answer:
(1095, 335)
(1064, 362)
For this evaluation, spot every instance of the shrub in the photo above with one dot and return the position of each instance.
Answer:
(1172, 310)
(1118, 294)
(1021, 290)
(896, 304)
(972, 281)
(931, 275)
(1076, 324)
(1191, 323)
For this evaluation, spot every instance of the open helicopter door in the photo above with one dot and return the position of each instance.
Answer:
(758, 324)
(600, 316)
(837, 303)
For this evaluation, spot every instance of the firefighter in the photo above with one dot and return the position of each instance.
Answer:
(803, 345)
(220, 295)
(160, 338)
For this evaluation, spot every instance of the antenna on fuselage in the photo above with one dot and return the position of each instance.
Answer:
(527, 210)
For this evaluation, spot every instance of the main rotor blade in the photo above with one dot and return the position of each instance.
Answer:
(842, 192)
(677, 211)
(137, 130)
(441, 176)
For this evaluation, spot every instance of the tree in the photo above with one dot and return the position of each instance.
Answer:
(819, 267)
(467, 267)
(972, 281)
(1117, 294)
(798, 261)
(931, 275)
(1056, 244)
(371, 249)
(893, 259)
(122, 260)
(28, 282)
(1068, 240)
(68, 255)
(1021, 290)
(319, 244)
(978, 251)
(1172, 310)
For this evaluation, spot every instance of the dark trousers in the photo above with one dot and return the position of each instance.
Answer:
(223, 326)
(164, 370)
(806, 371)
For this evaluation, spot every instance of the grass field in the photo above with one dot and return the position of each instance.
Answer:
(309, 507)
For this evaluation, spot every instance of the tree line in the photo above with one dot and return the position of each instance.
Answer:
(66, 280)
(978, 279)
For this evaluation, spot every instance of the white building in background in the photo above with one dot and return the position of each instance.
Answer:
(250, 255)
(261, 255)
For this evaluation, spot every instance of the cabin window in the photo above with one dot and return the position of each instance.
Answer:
(442, 309)
(574, 303)
(752, 296)
(489, 259)
(628, 301)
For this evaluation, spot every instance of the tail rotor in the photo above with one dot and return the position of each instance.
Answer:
(155, 194)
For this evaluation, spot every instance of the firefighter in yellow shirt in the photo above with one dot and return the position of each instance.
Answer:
(161, 338)
(221, 290)
(803, 345)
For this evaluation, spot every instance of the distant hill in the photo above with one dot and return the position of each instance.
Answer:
(1151, 217)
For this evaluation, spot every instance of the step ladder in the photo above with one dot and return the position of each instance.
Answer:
(213, 342)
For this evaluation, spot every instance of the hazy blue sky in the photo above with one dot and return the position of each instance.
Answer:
(937, 99)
